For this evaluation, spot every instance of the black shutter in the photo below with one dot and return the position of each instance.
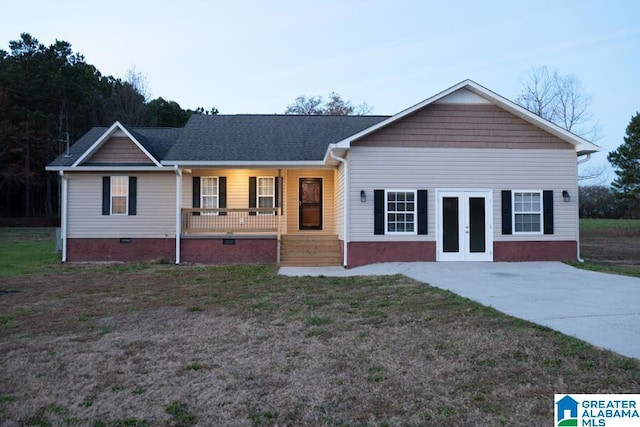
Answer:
(547, 206)
(277, 183)
(252, 193)
(506, 212)
(133, 195)
(222, 194)
(196, 194)
(106, 195)
(378, 211)
(422, 212)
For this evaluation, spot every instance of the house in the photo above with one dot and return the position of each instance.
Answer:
(567, 408)
(465, 175)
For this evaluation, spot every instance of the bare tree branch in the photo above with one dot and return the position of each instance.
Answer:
(561, 99)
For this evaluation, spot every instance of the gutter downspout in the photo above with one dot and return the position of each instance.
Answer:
(63, 215)
(578, 257)
(346, 204)
(178, 213)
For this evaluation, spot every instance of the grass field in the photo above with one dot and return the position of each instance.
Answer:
(26, 250)
(147, 345)
(590, 224)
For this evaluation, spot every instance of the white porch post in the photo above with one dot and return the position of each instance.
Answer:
(178, 211)
(63, 215)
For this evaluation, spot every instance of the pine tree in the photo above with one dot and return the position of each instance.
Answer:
(626, 161)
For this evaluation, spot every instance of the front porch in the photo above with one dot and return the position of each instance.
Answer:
(282, 216)
(253, 235)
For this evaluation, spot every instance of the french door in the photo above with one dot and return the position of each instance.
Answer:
(465, 225)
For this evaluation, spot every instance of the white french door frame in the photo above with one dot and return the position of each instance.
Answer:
(464, 252)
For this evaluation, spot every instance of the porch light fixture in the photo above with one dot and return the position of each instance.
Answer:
(363, 196)
(566, 196)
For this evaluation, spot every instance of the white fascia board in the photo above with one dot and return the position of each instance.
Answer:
(106, 135)
(108, 168)
(581, 145)
(231, 164)
(340, 151)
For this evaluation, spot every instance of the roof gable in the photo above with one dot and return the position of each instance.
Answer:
(117, 131)
(85, 152)
(462, 125)
(469, 92)
(118, 149)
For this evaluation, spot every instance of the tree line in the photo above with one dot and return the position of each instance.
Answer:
(50, 94)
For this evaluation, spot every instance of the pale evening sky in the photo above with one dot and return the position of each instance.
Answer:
(258, 56)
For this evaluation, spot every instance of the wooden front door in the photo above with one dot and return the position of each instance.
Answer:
(310, 193)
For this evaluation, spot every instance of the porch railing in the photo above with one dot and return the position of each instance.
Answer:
(229, 221)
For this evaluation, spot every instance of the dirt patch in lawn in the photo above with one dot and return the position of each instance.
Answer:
(164, 345)
(612, 246)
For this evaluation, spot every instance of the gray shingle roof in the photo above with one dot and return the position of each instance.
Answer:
(238, 138)
(264, 137)
(156, 141)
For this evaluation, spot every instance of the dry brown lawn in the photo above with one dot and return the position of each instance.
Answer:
(137, 345)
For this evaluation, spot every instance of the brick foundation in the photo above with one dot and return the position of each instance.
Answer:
(362, 253)
(114, 250)
(204, 251)
(535, 251)
(242, 251)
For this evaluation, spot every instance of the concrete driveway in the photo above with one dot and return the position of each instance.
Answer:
(602, 309)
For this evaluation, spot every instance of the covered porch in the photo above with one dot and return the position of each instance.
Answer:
(287, 216)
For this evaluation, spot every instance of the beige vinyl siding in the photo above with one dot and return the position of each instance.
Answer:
(237, 184)
(339, 200)
(119, 151)
(464, 126)
(155, 207)
(328, 198)
(462, 168)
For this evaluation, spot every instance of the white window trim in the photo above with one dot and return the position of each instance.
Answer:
(415, 212)
(202, 195)
(513, 213)
(126, 195)
(273, 195)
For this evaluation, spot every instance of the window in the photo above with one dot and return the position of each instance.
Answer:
(119, 195)
(266, 192)
(209, 192)
(400, 211)
(527, 211)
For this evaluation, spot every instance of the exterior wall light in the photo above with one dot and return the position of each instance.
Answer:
(363, 196)
(566, 196)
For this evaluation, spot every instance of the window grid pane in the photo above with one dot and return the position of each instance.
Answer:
(265, 186)
(266, 193)
(527, 208)
(209, 193)
(209, 186)
(119, 193)
(401, 212)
